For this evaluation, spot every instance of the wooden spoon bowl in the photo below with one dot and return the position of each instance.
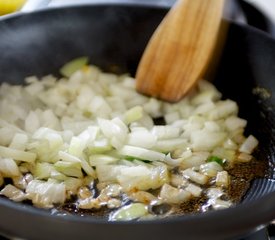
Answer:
(179, 51)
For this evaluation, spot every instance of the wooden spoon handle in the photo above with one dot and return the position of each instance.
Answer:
(180, 49)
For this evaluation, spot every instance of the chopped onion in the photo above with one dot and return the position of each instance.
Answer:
(141, 153)
(69, 68)
(45, 194)
(249, 145)
(58, 138)
(222, 179)
(13, 193)
(244, 157)
(17, 154)
(130, 212)
(8, 168)
(72, 169)
(133, 114)
(173, 195)
(19, 141)
(142, 178)
(210, 169)
(194, 190)
(195, 176)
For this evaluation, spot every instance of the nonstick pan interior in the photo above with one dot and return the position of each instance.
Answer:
(40, 43)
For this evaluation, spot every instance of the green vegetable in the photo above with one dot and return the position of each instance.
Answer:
(69, 68)
(216, 159)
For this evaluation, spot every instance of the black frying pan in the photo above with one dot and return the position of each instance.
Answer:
(40, 43)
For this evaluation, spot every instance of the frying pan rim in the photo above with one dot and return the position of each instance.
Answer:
(83, 5)
(118, 3)
(220, 214)
(237, 210)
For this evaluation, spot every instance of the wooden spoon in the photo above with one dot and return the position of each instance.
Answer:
(180, 49)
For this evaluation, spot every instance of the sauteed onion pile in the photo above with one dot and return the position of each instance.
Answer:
(89, 139)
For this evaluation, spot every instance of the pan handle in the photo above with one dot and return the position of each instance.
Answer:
(32, 5)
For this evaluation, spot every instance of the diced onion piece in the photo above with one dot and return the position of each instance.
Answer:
(177, 180)
(194, 190)
(226, 154)
(45, 194)
(77, 146)
(141, 153)
(19, 141)
(73, 184)
(111, 190)
(99, 106)
(87, 168)
(142, 138)
(212, 126)
(43, 170)
(220, 204)
(13, 193)
(115, 130)
(68, 157)
(208, 92)
(133, 114)
(69, 68)
(99, 146)
(171, 161)
(84, 192)
(56, 175)
(89, 134)
(249, 145)
(6, 135)
(8, 168)
(230, 144)
(168, 145)
(205, 140)
(142, 196)
(210, 169)
(204, 108)
(214, 193)
(108, 173)
(22, 181)
(72, 169)
(153, 107)
(101, 159)
(195, 176)
(114, 203)
(17, 154)
(32, 122)
(232, 123)
(173, 195)
(182, 153)
(89, 203)
(171, 117)
(222, 179)
(195, 160)
(130, 212)
(244, 157)
(223, 109)
(53, 137)
(166, 132)
(142, 177)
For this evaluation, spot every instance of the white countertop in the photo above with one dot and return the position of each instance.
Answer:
(267, 6)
